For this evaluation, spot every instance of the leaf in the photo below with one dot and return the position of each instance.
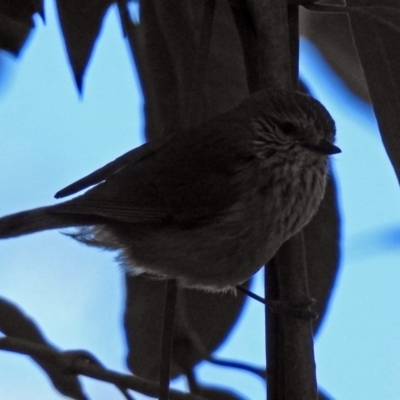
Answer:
(203, 321)
(332, 35)
(322, 237)
(14, 323)
(376, 32)
(164, 45)
(16, 22)
(80, 23)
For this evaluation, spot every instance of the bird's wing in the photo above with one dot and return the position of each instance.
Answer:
(127, 195)
(194, 177)
(106, 171)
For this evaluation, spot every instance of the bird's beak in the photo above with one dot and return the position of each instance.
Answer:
(324, 147)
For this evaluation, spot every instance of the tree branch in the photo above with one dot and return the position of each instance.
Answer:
(167, 338)
(269, 33)
(86, 366)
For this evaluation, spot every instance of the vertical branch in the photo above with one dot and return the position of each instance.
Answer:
(300, 375)
(167, 338)
(300, 379)
(269, 34)
(274, 336)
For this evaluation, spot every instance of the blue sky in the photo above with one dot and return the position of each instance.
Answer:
(50, 137)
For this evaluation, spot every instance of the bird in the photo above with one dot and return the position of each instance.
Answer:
(208, 206)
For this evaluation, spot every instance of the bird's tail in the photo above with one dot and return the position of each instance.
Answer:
(36, 220)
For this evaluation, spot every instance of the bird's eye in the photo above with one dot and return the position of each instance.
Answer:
(288, 128)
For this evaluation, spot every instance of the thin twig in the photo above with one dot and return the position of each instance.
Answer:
(262, 373)
(81, 366)
(125, 393)
(251, 294)
(167, 338)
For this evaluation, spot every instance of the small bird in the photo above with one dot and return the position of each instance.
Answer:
(207, 206)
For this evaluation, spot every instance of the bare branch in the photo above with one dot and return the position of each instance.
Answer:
(86, 366)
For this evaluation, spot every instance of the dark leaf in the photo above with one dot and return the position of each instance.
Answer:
(322, 237)
(16, 22)
(164, 45)
(14, 323)
(144, 310)
(203, 321)
(331, 34)
(80, 23)
(376, 32)
(166, 52)
(226, 76)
